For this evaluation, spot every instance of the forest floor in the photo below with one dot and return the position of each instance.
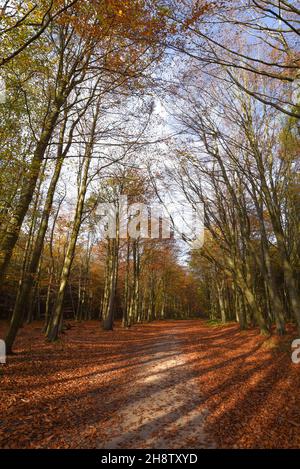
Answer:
(168, 384)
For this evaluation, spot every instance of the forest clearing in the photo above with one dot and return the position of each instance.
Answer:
(149, 225)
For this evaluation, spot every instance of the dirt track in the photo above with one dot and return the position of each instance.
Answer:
(167, 410)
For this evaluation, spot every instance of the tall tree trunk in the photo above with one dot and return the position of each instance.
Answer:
(26, 193)
(56, 316)
(25, 289)
(111, 284)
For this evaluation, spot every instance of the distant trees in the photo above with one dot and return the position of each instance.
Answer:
(144, 280)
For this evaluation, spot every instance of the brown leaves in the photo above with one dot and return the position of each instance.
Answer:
(125, 387)
(248, 387)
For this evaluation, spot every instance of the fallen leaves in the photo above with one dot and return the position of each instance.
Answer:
(76, 396)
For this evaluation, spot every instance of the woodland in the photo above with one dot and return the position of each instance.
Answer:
(178, 102)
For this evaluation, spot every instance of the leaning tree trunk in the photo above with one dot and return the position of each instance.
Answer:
(247, 292)
(27, 191)
(25, 289)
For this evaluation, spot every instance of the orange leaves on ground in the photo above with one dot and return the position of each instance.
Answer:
(77, 393)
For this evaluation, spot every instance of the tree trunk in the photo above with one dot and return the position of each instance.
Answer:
(56, 316)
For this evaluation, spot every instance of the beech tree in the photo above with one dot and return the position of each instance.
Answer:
(197, 100)
(239, 157)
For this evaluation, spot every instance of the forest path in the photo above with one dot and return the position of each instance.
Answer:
(167, 384)
(167, 410)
